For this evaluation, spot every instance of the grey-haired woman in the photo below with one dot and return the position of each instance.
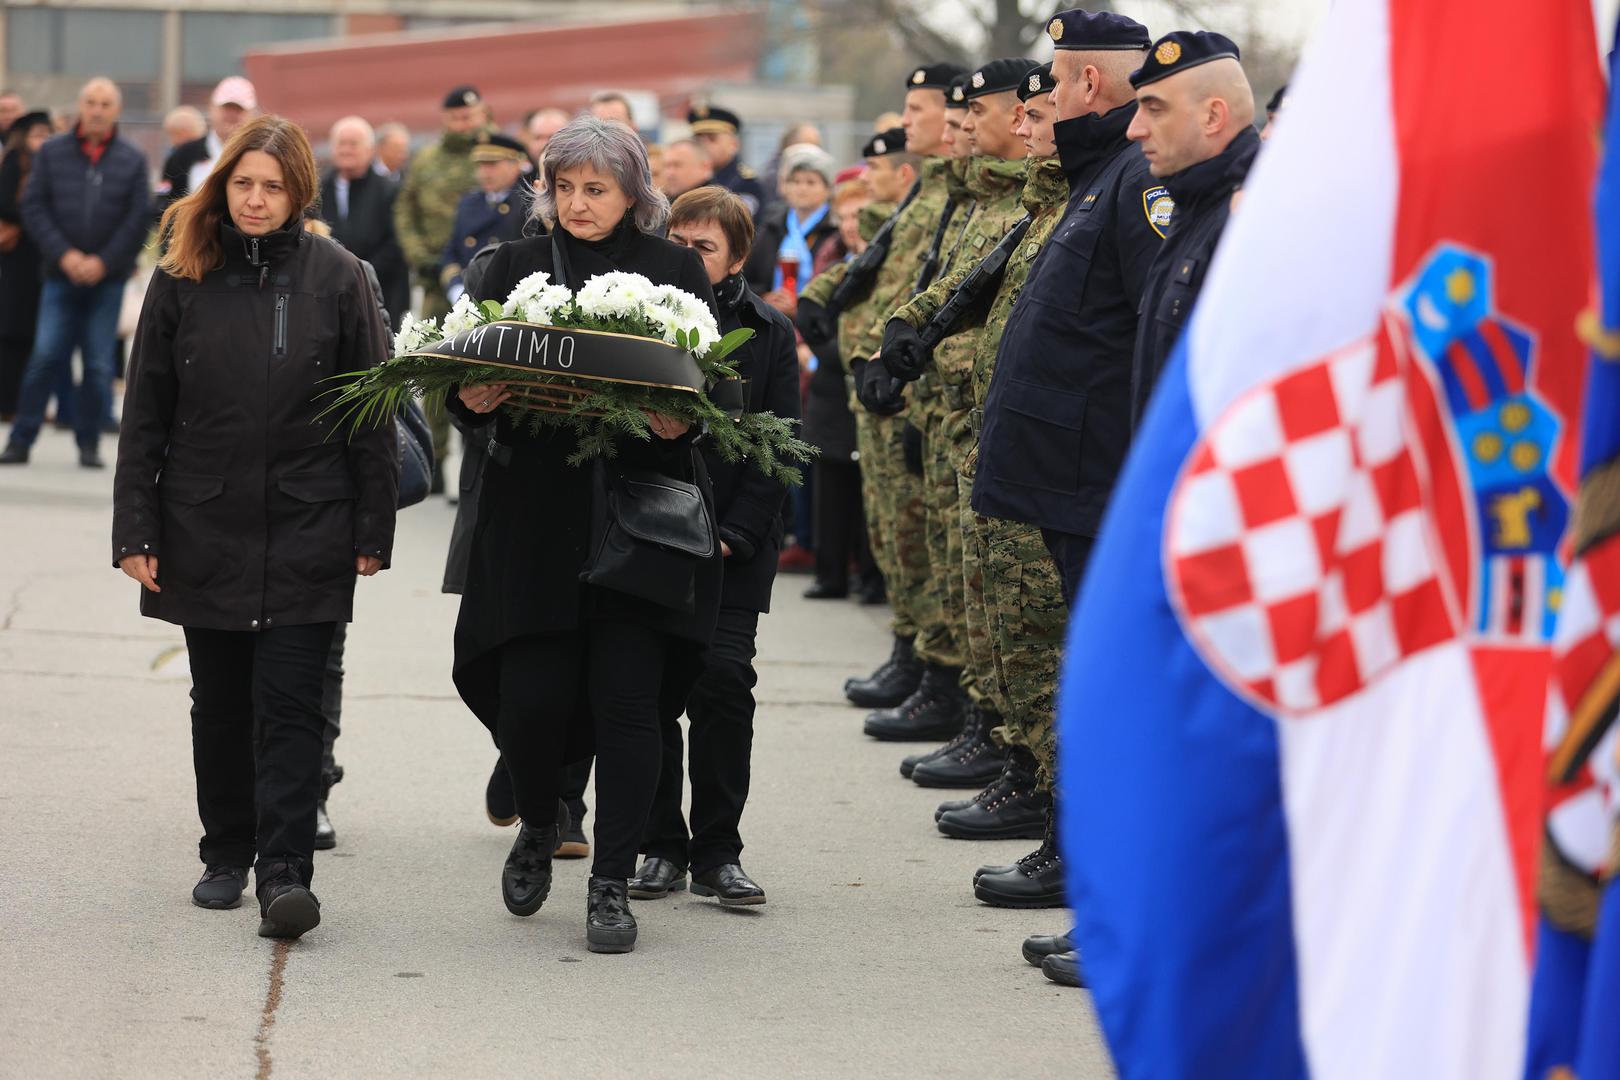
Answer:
(551, 665)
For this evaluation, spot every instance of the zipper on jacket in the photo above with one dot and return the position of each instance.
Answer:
(278, 342)
(92, 199)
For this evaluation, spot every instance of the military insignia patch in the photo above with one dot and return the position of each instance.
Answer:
(881, 146)
(956, 93)
(1158, 206)
(1034, 83)
(978, 80)
(1168, 53)
(917, 77)
(700, 111)
(1055, 28)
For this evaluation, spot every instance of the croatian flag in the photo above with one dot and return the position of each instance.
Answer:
(1301, 744)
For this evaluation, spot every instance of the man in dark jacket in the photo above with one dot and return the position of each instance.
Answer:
(1056, 420)
(1195, 124)
(87, 209)
(493, 213)
(719, 131)
(234, 103)
(358, 203)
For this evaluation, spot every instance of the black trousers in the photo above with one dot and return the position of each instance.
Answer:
(256, 728)
(840, 533)
(720, 712)
(617, 669)
(332, 708)
(1071, 552)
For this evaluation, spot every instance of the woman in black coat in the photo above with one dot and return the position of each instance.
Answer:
(243, 513)
(545, 661)
(19, 258)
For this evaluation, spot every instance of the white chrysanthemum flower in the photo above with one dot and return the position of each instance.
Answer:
(615, 295)
(673, 309)
(536, 299)
(464, 316)
(414, 333)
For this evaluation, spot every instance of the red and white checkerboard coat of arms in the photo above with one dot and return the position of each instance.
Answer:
(1343, 517)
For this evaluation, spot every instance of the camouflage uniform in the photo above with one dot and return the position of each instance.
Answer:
(1015, 609)
(996, 187)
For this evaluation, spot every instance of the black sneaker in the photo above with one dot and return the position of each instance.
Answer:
(1009, 809)
(894, 680)
(526, 877)
(220, 887)
(287, 909)
(609, 926)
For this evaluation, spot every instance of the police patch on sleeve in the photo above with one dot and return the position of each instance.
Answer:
(1159, 207)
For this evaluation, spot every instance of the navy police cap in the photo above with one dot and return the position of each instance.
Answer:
(956, 96)
(1276, 101)
(494, 146)
(708, 119)
(934, 77)
(999, 76)
(885, 143)
(1096, 31)
(1036, 83)
(1182, 49)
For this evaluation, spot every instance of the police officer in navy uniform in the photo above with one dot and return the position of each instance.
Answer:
(1057, 418)
(1195, 125)
(719, 132)
(495, 213)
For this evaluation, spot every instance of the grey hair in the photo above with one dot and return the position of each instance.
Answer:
(607, 147)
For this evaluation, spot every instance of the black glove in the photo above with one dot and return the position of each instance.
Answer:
(904, 353)
(880, 393)
(911, 449)
(814, 324)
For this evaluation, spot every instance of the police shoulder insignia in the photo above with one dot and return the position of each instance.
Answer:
(1168, 53)
(1055, 28)
(746, 173)
(1159, 207)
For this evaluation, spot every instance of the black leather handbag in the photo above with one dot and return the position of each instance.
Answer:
(414, 439)
(649, 532)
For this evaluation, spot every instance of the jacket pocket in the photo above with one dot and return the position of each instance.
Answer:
(189, 489)
(1042, 430)
(1059, 277)
(318, 487)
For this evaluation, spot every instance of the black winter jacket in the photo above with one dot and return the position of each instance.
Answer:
(254, 504)
(368, 231)
(747, 503)
(99, 208)
(1057, 421)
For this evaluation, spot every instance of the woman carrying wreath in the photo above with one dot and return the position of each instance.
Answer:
(244, 515)
(552, 665)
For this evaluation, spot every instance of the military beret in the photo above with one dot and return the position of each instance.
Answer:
(999, 76)
(885, 143)
(462, 97)
(713, 120)
(1036, 83)
(1096, 32)
(493, 146)
(1276, 101)
(933, 77)
(1182, 49)
(956, 96)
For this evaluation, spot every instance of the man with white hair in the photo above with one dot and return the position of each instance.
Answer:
(183, 124)
(233, 103)
(358, 203)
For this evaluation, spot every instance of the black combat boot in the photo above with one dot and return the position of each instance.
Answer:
(934, 711)
(526, 877)
(972, 761)
(1035, 881)
(1064, 969)
(1038, 947)
(957, 804)
(891, 683)
(1008, 809)
(909, 763)
(609, 926)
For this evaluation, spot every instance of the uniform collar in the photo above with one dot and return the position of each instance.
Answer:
(991, 177)
(1084, 139)
(1216, 176)
(1047, 185)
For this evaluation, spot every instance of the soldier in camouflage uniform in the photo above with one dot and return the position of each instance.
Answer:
(1015, 598)
(425, 211)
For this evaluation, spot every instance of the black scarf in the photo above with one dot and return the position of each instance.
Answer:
(728, 295)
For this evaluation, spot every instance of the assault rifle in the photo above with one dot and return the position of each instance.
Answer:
(979, 283)
(930, 264)
(863, 271)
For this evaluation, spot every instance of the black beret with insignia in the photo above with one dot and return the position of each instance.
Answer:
(1101, 31)
(1037, 83)
(933, 77)
(1276, 101)
(885, 143)
(1182, 49)
(956, 96)
(493, 146)
(462, 97)
(713, 120)
(999, 76)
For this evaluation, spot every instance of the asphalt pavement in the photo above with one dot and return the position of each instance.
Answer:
(871, 959)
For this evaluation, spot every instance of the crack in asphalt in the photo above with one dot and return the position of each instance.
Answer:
(272, 1002)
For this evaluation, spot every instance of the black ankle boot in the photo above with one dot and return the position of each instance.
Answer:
(609, 926)
(909, 763)
(972, 761)
(1035, 881)
(1008, 809)
(933, 711)
(526, 877)
(891, 683)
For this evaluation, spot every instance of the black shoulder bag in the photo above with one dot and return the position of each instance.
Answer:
(649, 532)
